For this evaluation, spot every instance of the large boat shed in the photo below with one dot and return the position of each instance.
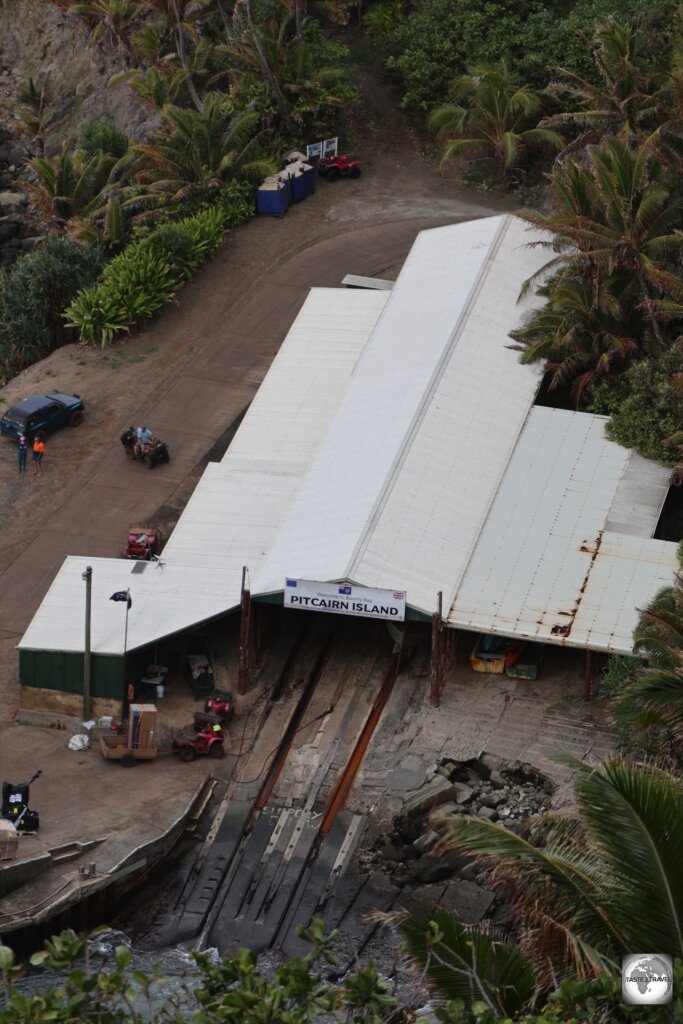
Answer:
(395, 444)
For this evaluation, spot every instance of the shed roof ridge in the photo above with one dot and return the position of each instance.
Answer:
(423, 405)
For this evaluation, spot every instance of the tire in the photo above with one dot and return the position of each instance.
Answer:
(40, 435)
(130, 454)
(217, 750)
(333, 174)
(151, 463)
(128, 761)
(76, 418)
(355, 173)
(187, 754)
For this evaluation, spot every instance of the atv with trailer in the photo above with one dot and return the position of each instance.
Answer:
(335, 167)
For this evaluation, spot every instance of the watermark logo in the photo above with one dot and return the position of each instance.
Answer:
(647, 979)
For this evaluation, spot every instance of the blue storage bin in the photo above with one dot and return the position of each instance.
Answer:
(272, 200)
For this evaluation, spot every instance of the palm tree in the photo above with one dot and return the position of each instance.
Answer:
(72, 187)
(583, 334)
(628, 102)
(653, 696)
(604, 882)
(493, 115)
(111, 20)
(199, 151)
(617, 216)
(466, 963)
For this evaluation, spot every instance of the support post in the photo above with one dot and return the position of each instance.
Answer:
(244, 670)
(437, 654)
(87, 576)
(588, 676)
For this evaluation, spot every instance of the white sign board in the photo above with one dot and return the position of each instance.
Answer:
(315, 149)
(330, 146)
(345, 599)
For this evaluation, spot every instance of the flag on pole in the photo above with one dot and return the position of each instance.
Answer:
(122, 595)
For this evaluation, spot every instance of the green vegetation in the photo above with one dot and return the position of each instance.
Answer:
(647, 694)
(494, 116)
(142, 279)
(428, 45)
(102, 137)
(33, 295)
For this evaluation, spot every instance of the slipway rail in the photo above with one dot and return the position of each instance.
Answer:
(276, 857)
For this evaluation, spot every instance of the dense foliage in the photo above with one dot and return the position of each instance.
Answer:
(142, 279)
(429, 44)
(33, 295)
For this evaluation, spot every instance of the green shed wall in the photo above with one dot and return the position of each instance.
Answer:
(63, 670)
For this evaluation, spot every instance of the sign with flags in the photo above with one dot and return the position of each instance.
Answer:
(345, 599)
(122, 595)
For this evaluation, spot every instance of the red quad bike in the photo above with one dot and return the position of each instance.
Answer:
(142, 544)
(220, 704)
(335, 167)
(208, 740)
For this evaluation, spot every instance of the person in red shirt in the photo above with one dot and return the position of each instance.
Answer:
(38, 452)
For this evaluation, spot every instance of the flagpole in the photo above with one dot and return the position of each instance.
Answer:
(125, 648)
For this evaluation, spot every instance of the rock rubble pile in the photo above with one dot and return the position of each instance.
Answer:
(506, 792)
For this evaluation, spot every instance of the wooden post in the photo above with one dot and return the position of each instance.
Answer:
(245, 637)
(437, 654)
(587, 677)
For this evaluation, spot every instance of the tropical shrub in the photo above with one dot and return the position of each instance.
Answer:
(33, 295)
(644, 408)
(142, 279)
(102, 137)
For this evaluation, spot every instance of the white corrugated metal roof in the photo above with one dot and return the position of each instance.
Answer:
(239, 503)
(543, 540)
(639, 498)
(402, 482)
(387, 445)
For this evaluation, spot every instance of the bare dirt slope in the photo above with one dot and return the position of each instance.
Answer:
(122, 384)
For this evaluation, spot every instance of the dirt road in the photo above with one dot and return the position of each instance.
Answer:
(197, 367)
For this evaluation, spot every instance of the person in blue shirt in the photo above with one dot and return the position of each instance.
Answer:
(143, 437)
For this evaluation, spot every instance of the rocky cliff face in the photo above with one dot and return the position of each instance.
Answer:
(38, 39)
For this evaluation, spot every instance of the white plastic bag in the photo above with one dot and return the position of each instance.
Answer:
(79, 742)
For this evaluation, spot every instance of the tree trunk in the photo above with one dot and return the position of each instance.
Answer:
(270, 75)
(182, 53)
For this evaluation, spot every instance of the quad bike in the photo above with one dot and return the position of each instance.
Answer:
(15, 806)
(335, 167)
(152, 453)
(209, 740)
(221, 704)
(142, 544)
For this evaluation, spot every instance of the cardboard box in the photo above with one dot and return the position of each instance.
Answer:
(9, 840)
(142, 725)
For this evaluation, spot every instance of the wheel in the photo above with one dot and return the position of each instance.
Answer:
(76, 418)
(130, 454)
(187, 754)
(216, 750)
(355, 173)
(333, 174)
(128, 761)
(40, 435)
(151, 463)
